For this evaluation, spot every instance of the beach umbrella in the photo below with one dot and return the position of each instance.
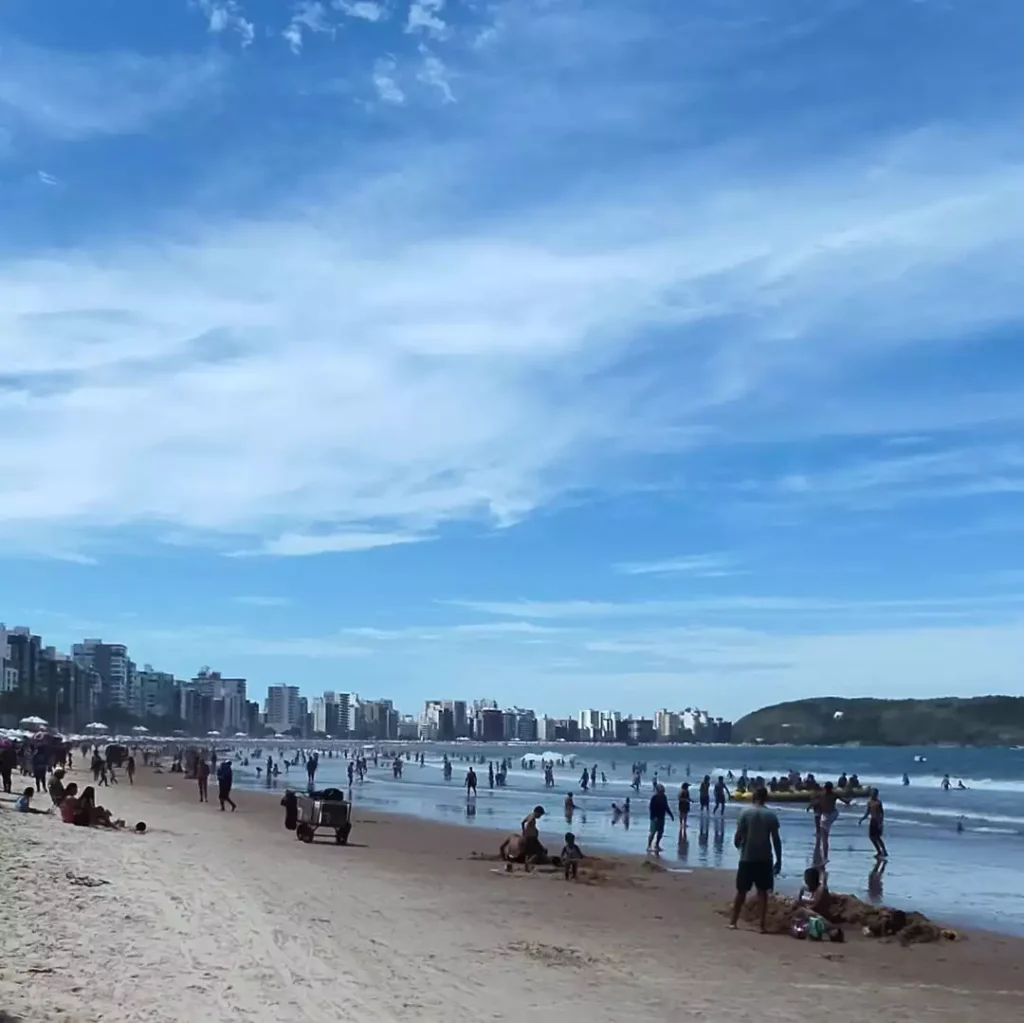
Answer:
(33, 721)
(140, 729)
(213, 733)
(240, 735)
(96, 726)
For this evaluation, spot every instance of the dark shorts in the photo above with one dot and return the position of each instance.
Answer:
(684, 809)
(874, 830)
(704, 802)
(755, 875)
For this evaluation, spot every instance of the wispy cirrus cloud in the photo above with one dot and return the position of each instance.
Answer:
(701, 566)
(256, 600)
(303, 545)
(71, 96)
(585, 315)
(747, 606)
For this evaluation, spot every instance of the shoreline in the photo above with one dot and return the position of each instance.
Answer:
(917, 878)
(228, 917)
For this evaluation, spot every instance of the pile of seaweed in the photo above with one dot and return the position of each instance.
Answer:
(849, 911)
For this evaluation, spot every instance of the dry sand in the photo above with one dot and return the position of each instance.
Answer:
(221, 917)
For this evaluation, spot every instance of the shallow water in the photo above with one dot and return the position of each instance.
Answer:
(970, 876)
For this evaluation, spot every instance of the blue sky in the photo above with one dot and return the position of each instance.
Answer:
(574, 353)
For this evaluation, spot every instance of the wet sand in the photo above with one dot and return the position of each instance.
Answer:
(225, 917)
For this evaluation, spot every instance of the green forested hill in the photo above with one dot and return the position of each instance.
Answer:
(981, 721)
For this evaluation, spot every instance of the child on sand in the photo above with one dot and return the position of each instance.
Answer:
(23, 804)
(571, 856)
(814, 898)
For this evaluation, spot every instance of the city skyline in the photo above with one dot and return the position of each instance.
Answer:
(574, 352)
(116, 681)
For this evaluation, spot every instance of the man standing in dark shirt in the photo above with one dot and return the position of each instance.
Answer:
(757, 838)
(659, 811)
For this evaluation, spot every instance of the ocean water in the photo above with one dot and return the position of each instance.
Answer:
(969, 876)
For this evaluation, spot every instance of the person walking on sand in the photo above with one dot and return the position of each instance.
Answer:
(659, 810)
(130, 769)
(203, 779)
(470, 783)
(224, 782)
(757, 838)
(875, 816)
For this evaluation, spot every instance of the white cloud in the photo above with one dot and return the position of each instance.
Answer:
(255, 600)
(228, 16)
(702, 566)
(48, 179)
(72, 96)
(301, 545)
(742, 606)
(367, 10)
(349, 369)
(388, 90)
(308, 16)
(434, 73)
(425, 16)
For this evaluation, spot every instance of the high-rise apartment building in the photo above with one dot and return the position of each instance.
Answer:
(155, 693)
(25, 652)
(332, 714)
(590, 724)
(114, 668)
(233, 714)
(8, 672)
(282, 708)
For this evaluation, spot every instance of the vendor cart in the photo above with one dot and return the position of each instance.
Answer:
(315, 812)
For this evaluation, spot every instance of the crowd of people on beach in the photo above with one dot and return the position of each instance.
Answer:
(46, 759)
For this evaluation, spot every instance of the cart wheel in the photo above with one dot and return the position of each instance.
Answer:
(341, 835)
(305, 833)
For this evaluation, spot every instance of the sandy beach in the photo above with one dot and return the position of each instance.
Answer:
(224, 917)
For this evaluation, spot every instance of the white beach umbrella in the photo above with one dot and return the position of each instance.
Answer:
(96, 726)
(140, 729)
(33, 721)
(213, 733)
(240, 735)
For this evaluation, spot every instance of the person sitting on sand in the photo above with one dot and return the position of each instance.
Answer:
(69, 804)
(23, 804)
(571, 856)
(56, 786)
(89, 815)
(814, 898)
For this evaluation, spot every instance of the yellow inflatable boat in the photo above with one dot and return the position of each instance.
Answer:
(801, 796)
